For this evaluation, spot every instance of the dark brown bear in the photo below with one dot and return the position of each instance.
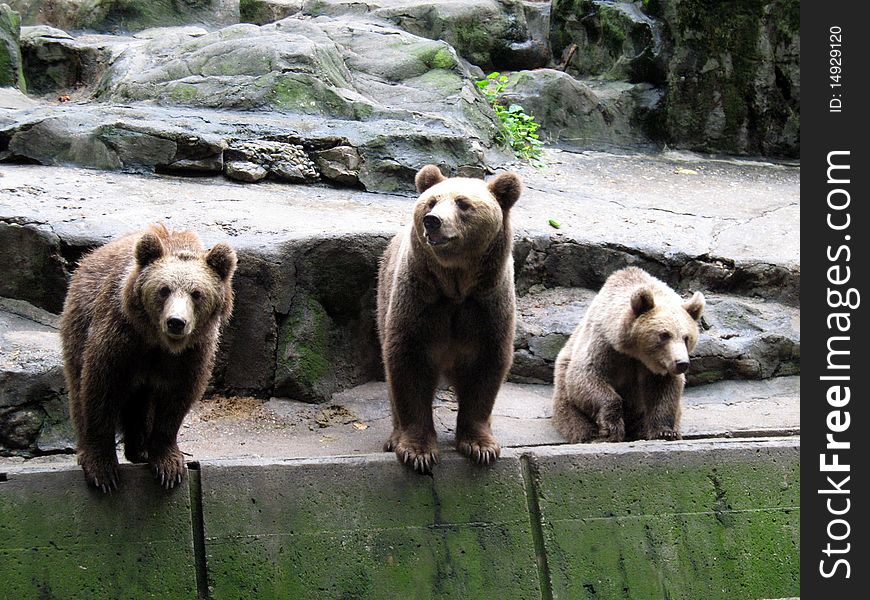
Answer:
(620, 376)
(139, 327)
(446, 308)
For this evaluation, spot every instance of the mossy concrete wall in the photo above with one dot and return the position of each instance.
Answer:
(695, 519)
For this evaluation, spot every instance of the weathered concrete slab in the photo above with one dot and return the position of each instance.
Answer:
(62, 539)
(367, 528)
(677, 520)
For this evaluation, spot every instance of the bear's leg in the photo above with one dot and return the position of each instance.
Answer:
(412, 380)
(97, 422)
(571, 422)
(170, 403)
(594, 396)
(134, 425)
(476, 389)
(662, 398)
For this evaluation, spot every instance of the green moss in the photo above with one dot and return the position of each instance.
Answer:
(308, 95)
(682, 528)
(306, 333)
(612, 27)
(474, 42)
(183, 92)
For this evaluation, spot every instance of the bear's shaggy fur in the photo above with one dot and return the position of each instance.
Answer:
(139, 328)
(620, 376)
(446, 307)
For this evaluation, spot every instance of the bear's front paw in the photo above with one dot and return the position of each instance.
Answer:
(611, 431)
(168, 467)
(421, 455)
(666, 434)
(100, 471)
(393, 441)
(481, 448)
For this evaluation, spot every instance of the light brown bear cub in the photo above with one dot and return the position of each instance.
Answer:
(446, 307)
(139, 328)
(620, 376)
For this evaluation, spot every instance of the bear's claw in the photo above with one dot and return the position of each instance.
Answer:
(421, 456)
(101, 473)
(666, 434)
(482, 451)
(168, 469)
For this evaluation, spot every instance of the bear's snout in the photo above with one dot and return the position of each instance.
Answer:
(175, 325)
(432, 222)
(681, 366)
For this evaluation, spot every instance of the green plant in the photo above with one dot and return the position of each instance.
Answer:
(518, 130)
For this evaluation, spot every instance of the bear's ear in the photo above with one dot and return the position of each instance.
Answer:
(506, 187)
(427, 177)
(695, 305)
(642, 301)
(222, 259)
(148, 249)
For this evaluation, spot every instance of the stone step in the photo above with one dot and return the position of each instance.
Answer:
(613, 211)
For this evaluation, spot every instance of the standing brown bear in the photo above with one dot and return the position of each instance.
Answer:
(620, 376)
(446, 307)
(139, 327)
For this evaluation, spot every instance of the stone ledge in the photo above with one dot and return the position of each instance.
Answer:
(715, 512)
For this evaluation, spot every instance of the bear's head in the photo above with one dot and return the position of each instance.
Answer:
(664, 330)
(182, 289)
(458, 217)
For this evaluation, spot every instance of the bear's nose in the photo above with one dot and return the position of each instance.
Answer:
(175, 325)
(682, 366)
(431, 223)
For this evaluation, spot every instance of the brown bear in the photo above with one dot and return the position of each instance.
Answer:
(446, 307)
(620, 376)
(139, 328)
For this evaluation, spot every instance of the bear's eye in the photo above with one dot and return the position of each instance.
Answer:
(196, 295)
(432, 204)
(461, 204)
(164, 292)
(665, 336)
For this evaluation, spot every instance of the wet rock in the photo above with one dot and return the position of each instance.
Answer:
(261, 12)
(56, 62)
(734, 76)
(33, 403)
(589, 113)
(245, 171)
(340, 165)
(288, 162)
(32, 265)
(129, 15)
(607, 40)
(11, 73)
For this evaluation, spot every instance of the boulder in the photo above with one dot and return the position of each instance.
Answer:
(587, 113)
(607, 40)
(126, 15)
(32, 265)
(11, 73)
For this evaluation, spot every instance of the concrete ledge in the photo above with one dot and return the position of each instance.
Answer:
(692, 519)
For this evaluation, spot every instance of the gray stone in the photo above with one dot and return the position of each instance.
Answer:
(340, 165)
(34, 417)
(261, 12)
(11, 73)
(57, 63)
(244, 171)
(734, 76)
(32, 265)
(129, 15)
(607, 40)
(590, 113)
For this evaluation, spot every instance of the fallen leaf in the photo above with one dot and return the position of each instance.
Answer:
(684, 171)
(360, 426)
(554, 223)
